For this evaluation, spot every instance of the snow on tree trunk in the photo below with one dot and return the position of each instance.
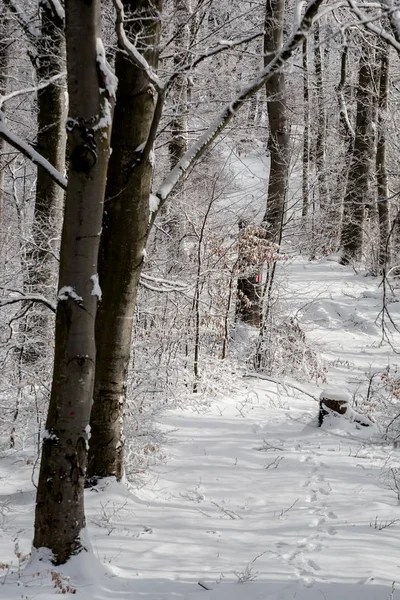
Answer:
(306, 132)
(123, 240)
(357, 190)
(278, 141)
(381, 171)
(320, 158)
(60, 518)
(4, 56)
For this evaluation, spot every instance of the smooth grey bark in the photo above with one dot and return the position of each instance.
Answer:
(123, 239)
(179, 97)
(320, 141)
(347, 135)
(4, 59)
(306, 132)
(380, 161)
(278, 140)
(59, 516)
(50, 144)
(357, 189)
(175, 224)
(51, 139)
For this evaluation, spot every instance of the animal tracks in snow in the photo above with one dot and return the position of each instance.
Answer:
(305, 566)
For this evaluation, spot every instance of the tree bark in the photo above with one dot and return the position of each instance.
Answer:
(179, 123)
(4, 58)
(320, 158)
(175, 224)
(50, 144)
(381, 172)
(306, 132)
(357, 189)
(51, 139)
(60, 518)
(278, 141)
(249, 286)
(123, 240)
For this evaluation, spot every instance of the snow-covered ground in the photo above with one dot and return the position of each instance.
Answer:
(253, 500)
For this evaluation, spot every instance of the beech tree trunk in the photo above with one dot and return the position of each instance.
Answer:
(278, 141)
(123, 240)
(51, 139)
(59, 517)
(175, 223)
(179, 124)
(4, 56)
(306, 132)
(381, 172)
(320, 159)
(357, 189)
(50, 144)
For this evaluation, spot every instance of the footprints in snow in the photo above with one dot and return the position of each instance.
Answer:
(321, 523)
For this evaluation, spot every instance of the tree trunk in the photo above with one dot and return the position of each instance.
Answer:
(306, 132)
(249, 286)
(320, 159)
(47, 218)
(179, 123)
(357, 189)
(175, 224)
(4, 57)
(51, 139)
(60, 515)
(278, 141)
(123, 241)
(347, 135)
(381, 172)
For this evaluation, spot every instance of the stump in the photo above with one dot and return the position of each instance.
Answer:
(332, 400)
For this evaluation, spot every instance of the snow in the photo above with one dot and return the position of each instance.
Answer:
(335, 394)
(110, 79)
(154, 202)
(68, 291)
(250, 489)
(96, 291)
(55, 5)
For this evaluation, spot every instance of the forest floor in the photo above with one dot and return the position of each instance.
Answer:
(252, 500)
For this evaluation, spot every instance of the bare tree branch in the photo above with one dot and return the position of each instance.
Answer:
(379, 30)
(28, 151)
(31, 32)
(131, 50)
(7, 300)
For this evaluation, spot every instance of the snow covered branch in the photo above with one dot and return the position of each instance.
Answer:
(30, 31)
(379, 30)
(19, 144)
(55, 8)
(222, 46)
(163, 285)
(226, 115)
(130, 49)
(31, 89)
(37, 298)
(27, 150)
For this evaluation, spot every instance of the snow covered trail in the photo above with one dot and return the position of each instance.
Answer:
(251, 490)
